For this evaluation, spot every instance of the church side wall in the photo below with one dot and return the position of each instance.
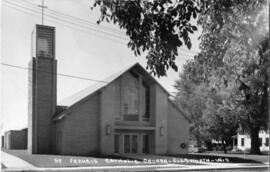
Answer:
(108, 113)
(161, 101)
(178, 131)
(80, 128)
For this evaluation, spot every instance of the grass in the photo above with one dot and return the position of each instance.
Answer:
(71, 161)
(260, 158)
(217, 158)
(114, 160)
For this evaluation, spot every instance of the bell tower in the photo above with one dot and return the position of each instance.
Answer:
(42, 91)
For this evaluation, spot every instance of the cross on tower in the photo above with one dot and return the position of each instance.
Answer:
(42, 7)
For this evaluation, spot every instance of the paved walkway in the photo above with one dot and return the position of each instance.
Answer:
(13, 162)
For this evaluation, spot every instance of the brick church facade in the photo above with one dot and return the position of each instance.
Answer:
(130, 112)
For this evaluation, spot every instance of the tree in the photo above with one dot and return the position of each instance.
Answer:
(158, 27)
(211, 107)
(235, 43)
(190, 96)
(230, 28)
(219, 113)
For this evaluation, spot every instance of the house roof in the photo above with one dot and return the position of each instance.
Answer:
(66, 103)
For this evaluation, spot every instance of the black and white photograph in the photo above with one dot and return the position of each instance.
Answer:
(135, 85)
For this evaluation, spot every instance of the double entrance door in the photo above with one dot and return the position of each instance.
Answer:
(132, 143)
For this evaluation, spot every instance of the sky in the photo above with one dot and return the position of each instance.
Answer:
(83, 49)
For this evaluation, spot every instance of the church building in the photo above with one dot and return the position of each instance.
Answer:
(127, 113)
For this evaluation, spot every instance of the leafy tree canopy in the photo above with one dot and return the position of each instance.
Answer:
(158, 27)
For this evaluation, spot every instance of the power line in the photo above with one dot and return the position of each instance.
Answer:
(72, 27)
(59, 22)
(73, 17)
(60, 74)
(67, 21)
(66, 15)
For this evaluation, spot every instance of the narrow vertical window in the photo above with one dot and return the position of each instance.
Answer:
(146, 115)
(131, 97)
(242, 141)
(267, 141)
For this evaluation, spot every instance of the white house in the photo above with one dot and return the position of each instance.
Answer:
(243, 142)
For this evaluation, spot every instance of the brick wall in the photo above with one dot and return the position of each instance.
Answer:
(178, 131)
(80, 128)
(42, 103)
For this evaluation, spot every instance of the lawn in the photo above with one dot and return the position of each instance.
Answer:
(228, 158)
(71, 161)
(260, 158)
(82, 161)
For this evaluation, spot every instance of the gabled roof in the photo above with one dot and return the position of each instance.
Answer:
(77, 97)
(95, 87)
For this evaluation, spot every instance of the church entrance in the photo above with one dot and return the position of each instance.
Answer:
(132, 143)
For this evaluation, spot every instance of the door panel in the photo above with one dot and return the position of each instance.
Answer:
(127, 144)
(134, 143)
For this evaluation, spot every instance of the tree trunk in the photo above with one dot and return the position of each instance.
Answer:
(224, 146)
(255, 144)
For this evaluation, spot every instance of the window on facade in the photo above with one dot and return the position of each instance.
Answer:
(260, 141)
(242, 141)
(131, 97)
(146, 93)
(267, 141)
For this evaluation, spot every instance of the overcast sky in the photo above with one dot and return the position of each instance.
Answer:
(83, 49)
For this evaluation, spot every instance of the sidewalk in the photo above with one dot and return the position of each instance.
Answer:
(13, 162)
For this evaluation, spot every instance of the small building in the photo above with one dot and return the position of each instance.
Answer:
(242, 141)
(15, 139)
